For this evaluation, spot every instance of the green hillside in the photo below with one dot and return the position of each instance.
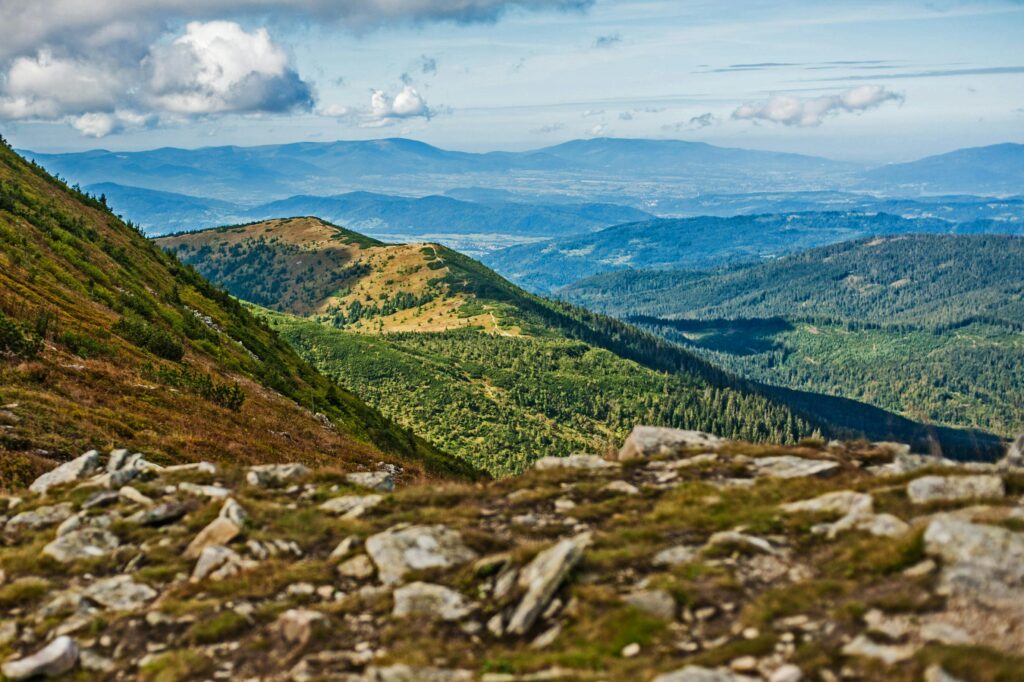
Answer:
(105, 338)
(928, 326)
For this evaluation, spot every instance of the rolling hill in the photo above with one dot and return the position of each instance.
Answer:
(996, 169)
(925, 325)
(702, 243)
(106, 339)
(487, 371)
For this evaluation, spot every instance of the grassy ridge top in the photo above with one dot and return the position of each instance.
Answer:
(106, 338)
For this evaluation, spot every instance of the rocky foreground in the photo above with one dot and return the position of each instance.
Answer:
(682, 559)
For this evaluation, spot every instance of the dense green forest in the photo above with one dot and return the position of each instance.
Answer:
(501, 402)
(928, 326)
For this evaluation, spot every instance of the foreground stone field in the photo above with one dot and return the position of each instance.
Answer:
(684, 559)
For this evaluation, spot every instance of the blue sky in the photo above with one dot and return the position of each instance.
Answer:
(879, 81)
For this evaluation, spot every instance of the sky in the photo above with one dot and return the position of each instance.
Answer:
(865, 81)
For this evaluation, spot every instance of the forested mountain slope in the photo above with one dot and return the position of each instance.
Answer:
(929, 326)
(106, 338)
(450, 349)
(706, 242)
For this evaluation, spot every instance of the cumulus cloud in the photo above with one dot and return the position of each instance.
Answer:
(212, 68)
(102, 65)
(217, 67)
(811, 111)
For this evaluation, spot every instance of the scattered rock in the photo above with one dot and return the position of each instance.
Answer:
(299, 626)
(572, 462)
(786, 673)
(85, 543)
(220, 531)
(954, 488)
(674, 556)
(731, 538)
(980, 561)
(840, 502)
(120, 593)
(351, 504)
(359, 567)
(38, 518)
(130, 494)
(621, 488)
(398, 551)
(102, 498)
(214, 491)
(1014, 454)
(696, 673)
(160, 515)
(405, 673)
(76, 469)
(657, 603)
(542, 577)
(935, 673)
(790, 466)
(890, 654)
(428, 599)
(56, 658)
(234, 512)
(374, 480)
(649, 441)
(218, 562)
(275, 474)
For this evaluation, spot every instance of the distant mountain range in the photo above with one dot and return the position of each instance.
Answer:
(706, 242)
(998, 169)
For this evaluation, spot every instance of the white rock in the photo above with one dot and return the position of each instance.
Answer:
(220, 531)
(790, 466)
(347, 504)
(542, 577)
(674, 556)
(622, 488)
(85, 543)
(374, 480)
(696, 673)
(428, 599)
(405, 673)
(76, 469)
(214, 491)
(839, 502)
(572, 462)
(395, 552)
(38, 518)
(275, 474)
(954, 488)
(298, 626)
(889, 654)
(786, 673)
(234, 512)
(982, 562)
(56, 658)
(649, 441)
(120, 593)
(731, 538)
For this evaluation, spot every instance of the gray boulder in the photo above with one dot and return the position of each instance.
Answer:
(985, 563)
(374, 480)
(790, 466)
(542, 577)
(275, 474)
(429, 599)
(56, 658)
(76, 469)
(41, 517)
(395, 552)
(657, 603)
(648, 441)
(954, 488)
(85, 543)
(120, 593)
(355, 505)
(572, 462)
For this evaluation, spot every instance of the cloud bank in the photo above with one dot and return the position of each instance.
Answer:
(806, 112)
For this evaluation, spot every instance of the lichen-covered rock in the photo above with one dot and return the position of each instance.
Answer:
(275, 474)
(351, 504)
(542, 577)
(56, 658)
(954, 488)
(85, 543)
(980, 561)
(41, 517)
(838, 502)
(395, 552)
(381, 481)
(120, 593)
(572, 462)
(428, 599)
(76, 469)
(649, 441)
(790, 466)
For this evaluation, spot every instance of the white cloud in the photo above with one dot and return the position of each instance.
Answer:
(811, 111)
(29, 25)
(212, 68)
(384, 110)
(217, 67)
